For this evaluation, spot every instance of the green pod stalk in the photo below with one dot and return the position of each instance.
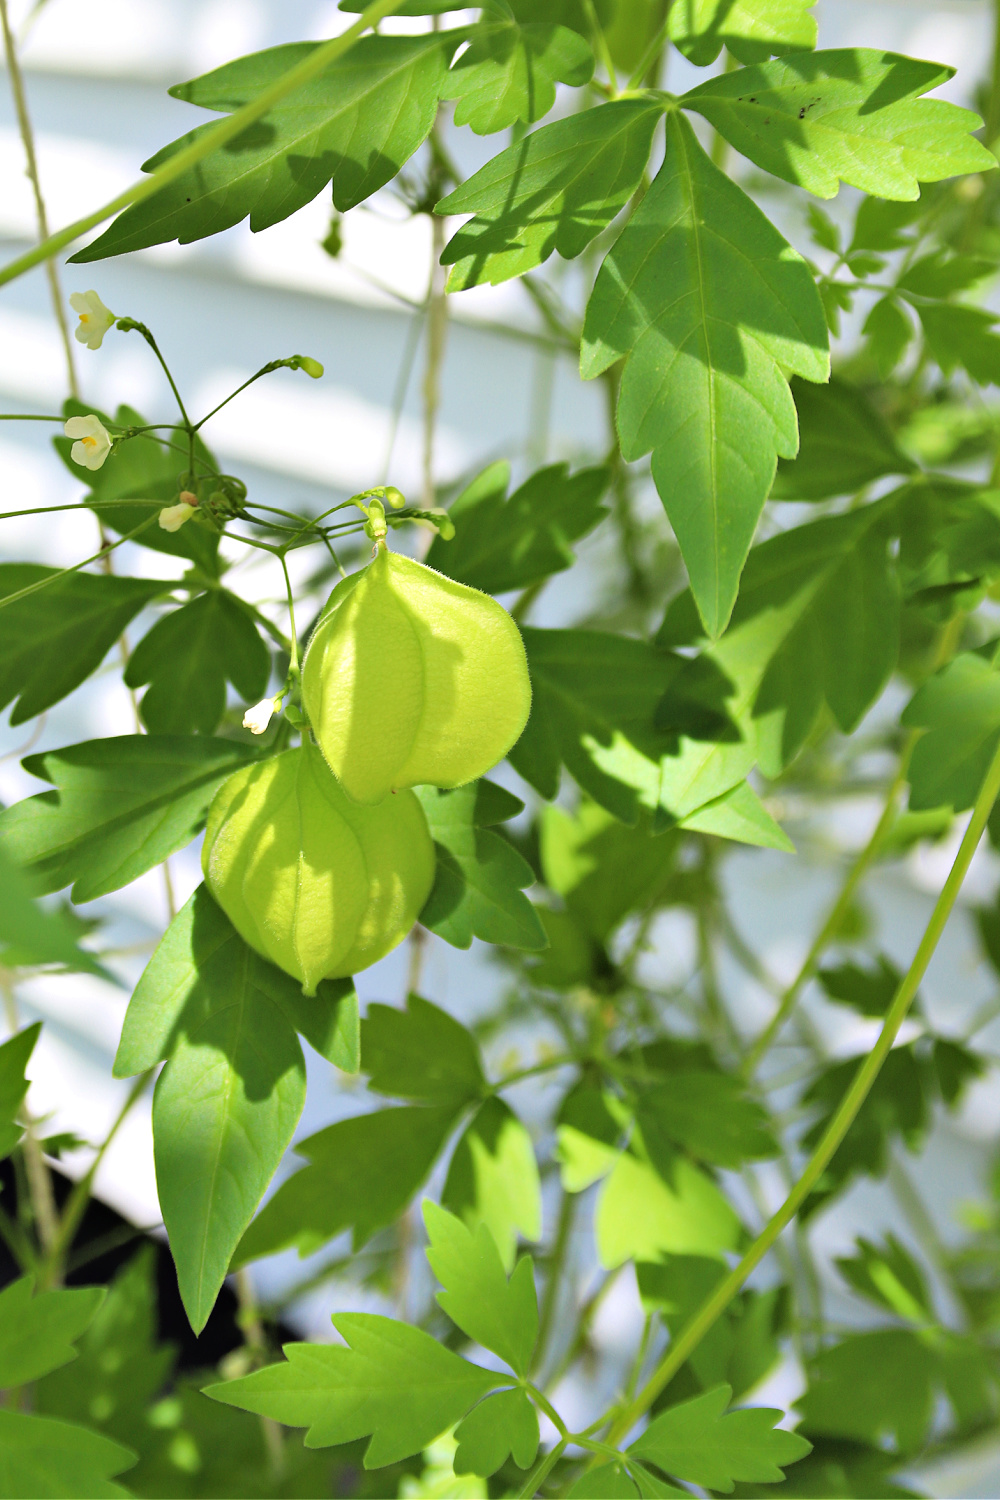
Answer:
(317, 884)
(411, 679)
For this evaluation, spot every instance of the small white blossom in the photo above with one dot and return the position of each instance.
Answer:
(256, 719)
(172, 517)
(93, 442)
(95, 318)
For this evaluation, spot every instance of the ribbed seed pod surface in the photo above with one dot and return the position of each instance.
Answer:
(412, 679)
(317, 884)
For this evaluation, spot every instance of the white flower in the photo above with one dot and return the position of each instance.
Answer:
(93, 443)
(95, 318)
(172, 517)
(256, 719)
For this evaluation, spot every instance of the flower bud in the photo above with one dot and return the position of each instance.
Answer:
(257, 719)
(412, 678)
(312, 367)
(318, 885)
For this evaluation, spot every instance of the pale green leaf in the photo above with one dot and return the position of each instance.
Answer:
(493, 1179)
(854, 114)
(503, 1424)
(712, 311)
(358, 122)
(420, 1053)
(554, 190)
(642, 1217)
(500, 1315)
(750, 29)
(32, 934)
(392, 1381)
(875, 1387)
(741, 816)
(700, 1442)
(509, 71)
(54, 639)
(363, 1172)
(121, 806)
(52, 1460)
(14, 1058)
(479, 883)
(38, 1333)
(960, 709)
(601, 868)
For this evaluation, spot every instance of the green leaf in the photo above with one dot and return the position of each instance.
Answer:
(601, 868)
(960, 709)
(707, 1114)
(509, 71)
(961, 336)
(37, 1334)
(392, 1381)
(144, 470)
(48, 1459)
(869, 991)
(555, 190)
(121, 806)
(31, 934)
(712, 311)
(642, 1216)
(817, 620)
(357, 123)
(741, 816)
(119, 1370)
(700, 1442)
(493, 1179)
(329, 1021)
(852, 115)
(420, 1053)
(500, 1315)
(362, 1174)
(741, 1346)
(941, 274)
(189, 655)
(230, 1096)
(844, 445)
(54, 639)
(875, 1387)
(503, 1424)
(888, 1276)
(750, 29)
(606, 1482)
(502, 544)
(14, 1057)
(478, 887)
(889, 331)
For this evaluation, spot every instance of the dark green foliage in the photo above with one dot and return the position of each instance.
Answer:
(421, 1053)
(189, 655)
(843, 445)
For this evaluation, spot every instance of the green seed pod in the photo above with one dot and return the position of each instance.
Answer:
(411, 678)
(315, 883)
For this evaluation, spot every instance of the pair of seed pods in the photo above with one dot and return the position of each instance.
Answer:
(321, 856)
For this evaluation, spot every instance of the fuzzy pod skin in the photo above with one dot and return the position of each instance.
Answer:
(317, 884)
(413, 679)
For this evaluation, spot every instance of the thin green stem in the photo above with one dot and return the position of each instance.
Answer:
(213, 139)
(545, 1405)
(682, 1347)
(43, 583)
(132, 325)
(554, 1274)
(542, 1471)
(649, 57)
(268, 369)
(293, 639)
(601, 45)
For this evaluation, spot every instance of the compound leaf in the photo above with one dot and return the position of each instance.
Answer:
(493, 1179)
(421, 1053)
(854, 114)
(362, 1174)
(121, 805)
(843, 445)
(393, 1381)
(189, 655)
(479, 885)
(750, 29)
(43, 1457)
(554, 190)
(37, 1334)
(501, 1315)
(700, 1442)
(509, 543)
(960, 710)
(509, 71)
(54, 639)
(356, 123)
(712, 311)
(505, 1423)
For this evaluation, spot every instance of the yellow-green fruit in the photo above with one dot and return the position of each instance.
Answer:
(315, 883)
(411, 678)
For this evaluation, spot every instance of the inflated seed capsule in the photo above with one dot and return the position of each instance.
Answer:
(411, 678)
(317, 884)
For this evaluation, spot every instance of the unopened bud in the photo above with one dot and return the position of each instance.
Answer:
(312, 367)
